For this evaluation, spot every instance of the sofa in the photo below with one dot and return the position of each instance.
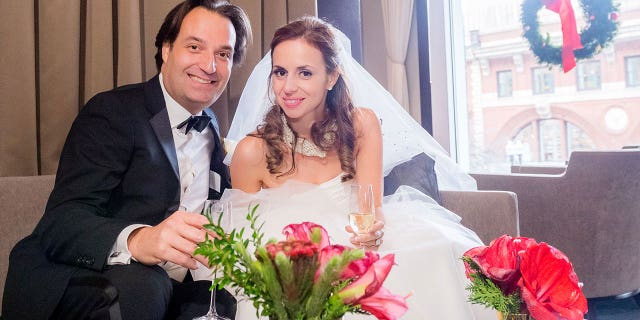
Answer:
(589, 209)
(23, 199)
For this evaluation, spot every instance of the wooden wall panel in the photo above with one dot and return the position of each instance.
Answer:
(154, 12)
(18, 140)
(275, 16)
(98, 49)
(130, 51)
(59, 30)
(299, 8)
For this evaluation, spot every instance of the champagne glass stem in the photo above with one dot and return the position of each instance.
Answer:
(212, 302)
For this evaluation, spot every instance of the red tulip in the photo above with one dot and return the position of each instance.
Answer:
(384, 305)
(367, 290)
(500, 260)
(358, 267)
(549, 286)
(369, 282)
(307, 231)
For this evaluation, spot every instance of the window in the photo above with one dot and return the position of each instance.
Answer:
(542, 80)
(550, 140)
(549, 113)
(632, 71)
(505, 84)
(547, 140)
(588, 75)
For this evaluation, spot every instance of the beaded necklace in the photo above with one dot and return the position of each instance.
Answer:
(303, 146)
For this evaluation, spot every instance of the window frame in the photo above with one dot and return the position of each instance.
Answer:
(534, 88)
(626, 71)
(499, 87)
(580, 74)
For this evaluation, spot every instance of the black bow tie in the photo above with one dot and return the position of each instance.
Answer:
(195, 122)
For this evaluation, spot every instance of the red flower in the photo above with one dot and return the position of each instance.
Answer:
(500, 260)
(359, 267)
(549, 286)
(366, 290)
(384, 305)
(613, 16)
(292, 249)
(307, 231)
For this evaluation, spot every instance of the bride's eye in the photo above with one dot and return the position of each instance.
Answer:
(304, 74)
(279, 73)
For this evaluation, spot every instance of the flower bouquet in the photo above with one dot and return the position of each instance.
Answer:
(302, 277)
(520, 276)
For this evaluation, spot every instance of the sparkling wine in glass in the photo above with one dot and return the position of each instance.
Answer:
(220, 212)
(361, 208)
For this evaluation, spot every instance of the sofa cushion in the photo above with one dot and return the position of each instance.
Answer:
(22, 200)
(419, 173)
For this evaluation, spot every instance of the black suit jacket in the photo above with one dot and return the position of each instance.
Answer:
(118, 167)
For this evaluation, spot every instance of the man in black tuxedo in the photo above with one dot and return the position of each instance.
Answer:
(119, 230)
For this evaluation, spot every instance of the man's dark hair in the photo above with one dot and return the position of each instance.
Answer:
(173, 21)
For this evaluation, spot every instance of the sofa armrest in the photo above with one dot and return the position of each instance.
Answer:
(489, 213)
(22, 200)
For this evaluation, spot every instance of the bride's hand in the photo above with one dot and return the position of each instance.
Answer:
(371, 240)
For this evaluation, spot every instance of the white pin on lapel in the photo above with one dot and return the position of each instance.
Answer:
(214, 180)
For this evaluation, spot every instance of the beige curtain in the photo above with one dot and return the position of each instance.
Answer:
(396, 15)
(58, 53)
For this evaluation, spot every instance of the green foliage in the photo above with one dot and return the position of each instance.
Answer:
(485, 292)
(602, 26)
(279, 288)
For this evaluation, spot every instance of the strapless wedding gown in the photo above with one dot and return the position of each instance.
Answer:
(427, 239)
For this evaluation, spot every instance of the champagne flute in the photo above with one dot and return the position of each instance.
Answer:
(219, 211)
(361, 208)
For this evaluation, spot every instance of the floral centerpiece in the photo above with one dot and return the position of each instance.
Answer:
(302, 277)
(517, 275)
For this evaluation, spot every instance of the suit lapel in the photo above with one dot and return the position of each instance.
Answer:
(154, 101)
(162, 129)
(217, 157)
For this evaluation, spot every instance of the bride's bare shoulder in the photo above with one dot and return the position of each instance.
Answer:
(249, 151)
(364, 118)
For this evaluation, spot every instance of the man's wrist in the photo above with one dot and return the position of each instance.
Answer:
(120, 253)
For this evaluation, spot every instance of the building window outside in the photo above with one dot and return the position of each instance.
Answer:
(549, 141)
(588, 74)
(632, 71)
(542, 80)
(580, 112)
(550, 138)
(505, 83)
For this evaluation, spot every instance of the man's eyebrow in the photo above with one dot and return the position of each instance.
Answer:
(200, 40)
(196, 39)
(226, 47)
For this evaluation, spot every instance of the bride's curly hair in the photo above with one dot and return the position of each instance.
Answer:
(336, 131)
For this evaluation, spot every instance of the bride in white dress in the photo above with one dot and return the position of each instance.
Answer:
(312, 143)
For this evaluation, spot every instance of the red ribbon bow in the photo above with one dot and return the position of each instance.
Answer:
(570, 36)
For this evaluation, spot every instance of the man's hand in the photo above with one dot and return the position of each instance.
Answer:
(174, 240)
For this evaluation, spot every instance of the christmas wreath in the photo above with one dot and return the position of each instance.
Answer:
(601, 27)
